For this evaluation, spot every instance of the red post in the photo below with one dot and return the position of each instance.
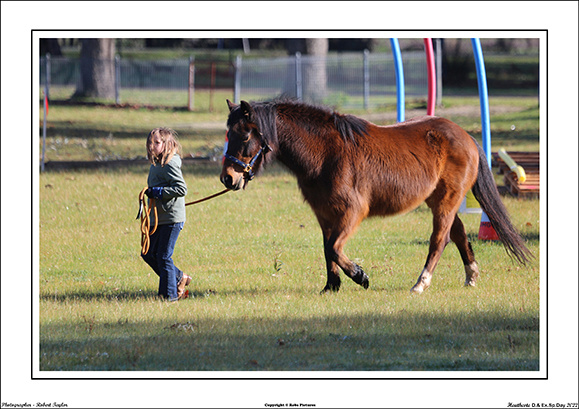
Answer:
(431, 76)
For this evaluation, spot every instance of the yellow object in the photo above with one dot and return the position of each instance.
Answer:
(469, 204)
(518, 170)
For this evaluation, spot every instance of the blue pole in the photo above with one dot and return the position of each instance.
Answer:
(399, 79)
(486, 230)
(483, 95)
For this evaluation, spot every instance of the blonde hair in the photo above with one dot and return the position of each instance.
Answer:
(171, 145)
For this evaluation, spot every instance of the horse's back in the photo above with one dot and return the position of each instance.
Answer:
(411, 159)
(428, 137)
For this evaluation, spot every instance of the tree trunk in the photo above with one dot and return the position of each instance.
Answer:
(315, 79)
(97, 69)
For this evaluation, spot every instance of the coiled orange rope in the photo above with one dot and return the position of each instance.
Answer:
(145, 215)
(145, 207)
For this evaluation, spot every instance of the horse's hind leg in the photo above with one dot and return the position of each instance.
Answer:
(444, 204)
(438, 240)
(458, 235)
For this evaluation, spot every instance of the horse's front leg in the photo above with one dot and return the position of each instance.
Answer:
(334, 281)
(333, 250)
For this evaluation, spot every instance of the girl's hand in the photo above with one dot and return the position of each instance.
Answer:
(154, 192)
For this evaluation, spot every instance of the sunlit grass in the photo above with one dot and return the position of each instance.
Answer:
(91, 133)
(257, 262)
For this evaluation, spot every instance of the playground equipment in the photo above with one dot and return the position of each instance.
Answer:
(486, 230)
(400, 92)
(517, 169)
(399, 80)
(520, 172)
(431, 76)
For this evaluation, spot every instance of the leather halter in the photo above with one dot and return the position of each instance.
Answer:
(248, 167)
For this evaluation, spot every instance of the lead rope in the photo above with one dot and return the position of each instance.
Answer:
(207, 198)
(145, 213)
(145, 207)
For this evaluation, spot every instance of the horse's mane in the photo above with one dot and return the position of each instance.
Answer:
(312, 117)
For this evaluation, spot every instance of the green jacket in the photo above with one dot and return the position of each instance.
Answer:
(171, 208)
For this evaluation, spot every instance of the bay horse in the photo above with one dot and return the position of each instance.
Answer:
(348, 169)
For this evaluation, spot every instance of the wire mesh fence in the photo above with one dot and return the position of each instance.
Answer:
(353, 80)
(346, 80)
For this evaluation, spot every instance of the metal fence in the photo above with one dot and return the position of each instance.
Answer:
(353, 80)
(346, 80)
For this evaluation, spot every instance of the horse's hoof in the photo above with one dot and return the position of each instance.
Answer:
(423, 282)
(472, 274)
(360, 277)
(365, 282)
(417, 289)
(333, 288)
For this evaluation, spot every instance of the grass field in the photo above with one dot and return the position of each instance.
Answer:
(100, 132)
(257, 264)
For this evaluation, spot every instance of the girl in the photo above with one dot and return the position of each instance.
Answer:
(167, 186)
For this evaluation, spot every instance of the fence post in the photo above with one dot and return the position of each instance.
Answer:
(191, 84)
(237, 85)
(299, 76)
(212, 85)
(366, 80)
(117, 79)
(47, 66)
(45, 108)
(438, 72)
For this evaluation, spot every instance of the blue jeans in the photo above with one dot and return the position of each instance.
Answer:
(159, 257)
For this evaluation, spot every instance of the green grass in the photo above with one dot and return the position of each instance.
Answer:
(257, 264)
(100, 133)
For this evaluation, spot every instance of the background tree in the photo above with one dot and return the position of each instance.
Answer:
(51, 46)
(314, 77)
(97, 69)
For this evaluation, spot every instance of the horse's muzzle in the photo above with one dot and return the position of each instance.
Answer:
(232, 183)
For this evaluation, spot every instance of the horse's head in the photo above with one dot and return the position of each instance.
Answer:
(246, 148)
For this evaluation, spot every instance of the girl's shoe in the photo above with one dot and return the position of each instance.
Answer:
(185, 280)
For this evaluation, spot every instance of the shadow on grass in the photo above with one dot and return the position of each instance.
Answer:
(397, 341)
(133, 295)
(65, 129)
(148, 295)
(190, 166)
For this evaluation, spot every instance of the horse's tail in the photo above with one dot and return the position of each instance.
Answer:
(485, 191)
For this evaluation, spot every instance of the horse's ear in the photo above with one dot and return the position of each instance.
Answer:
(247, 110)
(231, 105)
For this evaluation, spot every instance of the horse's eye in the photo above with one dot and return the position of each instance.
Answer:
(245, 137)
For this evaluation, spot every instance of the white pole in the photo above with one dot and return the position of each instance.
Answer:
(44, 100)
(237, 86)
(366, 79)
(44, 126)
(299, 76)
(439, 72)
